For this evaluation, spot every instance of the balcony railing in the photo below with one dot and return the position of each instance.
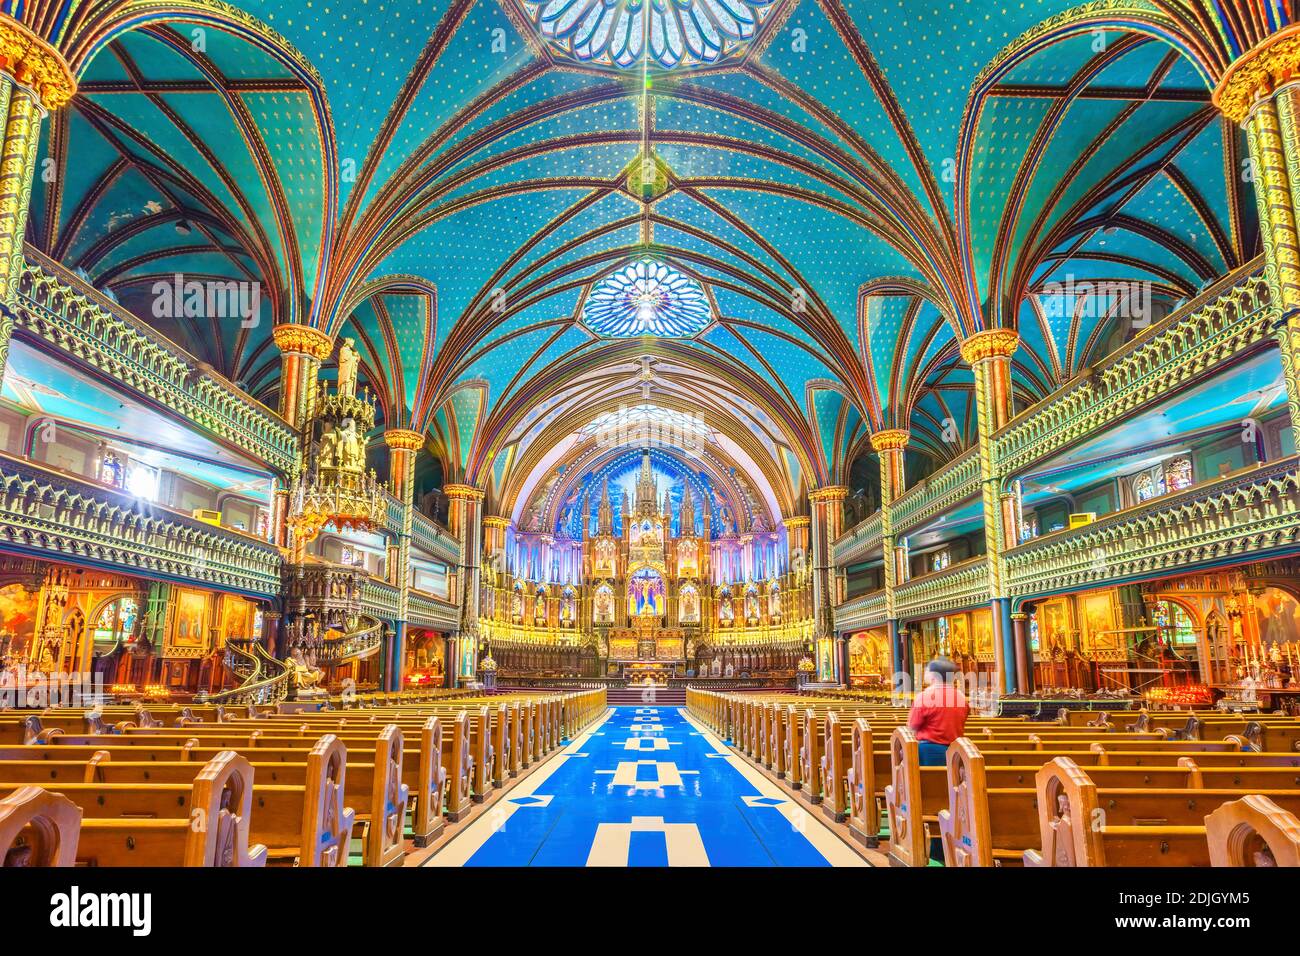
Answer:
(425, 610)
(1248, 514)
(60, 311)
(866, 610)
(1218, 327)
(49, 514)
(929, 497)
(379, 599)
(955, 588)
(858, 543)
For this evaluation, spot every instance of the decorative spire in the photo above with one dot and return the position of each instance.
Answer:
(647, 493)
(668, 505)
(605, 514)
(687, 523)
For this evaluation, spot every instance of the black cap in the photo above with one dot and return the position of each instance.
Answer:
(942, 666)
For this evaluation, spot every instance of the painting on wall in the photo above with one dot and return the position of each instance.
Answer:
(1277, 616)
(1097, 622)
(959, 634)
(236, 619)
(190, 618)
(982, 632)
(1054, 624)
(17, 620)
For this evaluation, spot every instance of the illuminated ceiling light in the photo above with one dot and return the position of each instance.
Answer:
(647, 297)
(680, 33)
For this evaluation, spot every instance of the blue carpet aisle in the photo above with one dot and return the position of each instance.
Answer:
(647, 787)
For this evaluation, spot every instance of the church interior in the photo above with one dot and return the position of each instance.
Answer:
(583, 433)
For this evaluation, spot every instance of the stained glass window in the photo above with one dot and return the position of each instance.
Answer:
(681, 33)
(1178, 474)
(647, 297)
(1146, 487)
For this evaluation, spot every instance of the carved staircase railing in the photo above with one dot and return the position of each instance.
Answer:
(265, 679)
(361, 642)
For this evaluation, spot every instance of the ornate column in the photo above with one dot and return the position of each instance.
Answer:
(302, 349)
(989, 355)
(889, 446)
(827, 521)
(34, 79)
(1024, 653)
(465, 518)
(1260, 93)
(403, 445)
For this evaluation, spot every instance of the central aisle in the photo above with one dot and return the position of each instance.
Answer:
(647, 787)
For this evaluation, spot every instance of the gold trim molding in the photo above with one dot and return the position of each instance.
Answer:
(796, 521)
(829, 493)
(404, 439)
(33, 63)
(496, 521)
(304, 340)
(1258, 73)
(468, 492)
(991, 343)
(891, 439)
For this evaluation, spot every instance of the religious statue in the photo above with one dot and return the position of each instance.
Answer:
(348, 362)
(726, 613)
(302, 675)
(604, 605)
(328, 456)
(350, 455)
(517, 607)
(690, 606)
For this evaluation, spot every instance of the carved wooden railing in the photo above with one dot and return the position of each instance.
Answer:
(865, 610)
(859, 542)
(1230, 319)
(431, 538)
(952, 484)
(425, 610)
(361, 642)
(379, 599)
(59, 311)
(955, 588)
(1254, 513)
(49, 514)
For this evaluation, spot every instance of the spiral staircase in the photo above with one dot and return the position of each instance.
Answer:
(263, 679)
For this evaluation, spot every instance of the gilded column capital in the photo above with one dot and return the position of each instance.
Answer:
(35, 64)
(796, 521)
(890, 440)
(497, 522)
(403, 439)
(304, 340)
(829, 493)
(1258, 73)
(467, 492)
(990, 343)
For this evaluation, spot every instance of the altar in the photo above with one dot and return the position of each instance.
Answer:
(654, 673)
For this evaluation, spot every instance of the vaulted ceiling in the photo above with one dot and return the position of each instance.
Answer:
(854, 185)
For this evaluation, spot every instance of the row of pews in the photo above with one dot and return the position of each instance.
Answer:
(1177, 788)
(316, 785)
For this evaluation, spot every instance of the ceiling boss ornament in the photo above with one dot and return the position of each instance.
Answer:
(679, 34)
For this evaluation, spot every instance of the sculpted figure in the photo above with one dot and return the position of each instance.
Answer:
(349, 448)
(348, 361)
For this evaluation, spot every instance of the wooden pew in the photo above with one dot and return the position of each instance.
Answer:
(205, 823)
(1253, 831)
(1077, 828)
(38, 828)
(299, 813)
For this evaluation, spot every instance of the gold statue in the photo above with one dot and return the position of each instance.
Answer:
(302, 674)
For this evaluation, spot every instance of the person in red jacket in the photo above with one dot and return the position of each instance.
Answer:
(938, 713)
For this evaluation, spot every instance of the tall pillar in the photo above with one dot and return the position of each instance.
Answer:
(34, 79)
(465, 516)
(889, 447)
(989, 355)
(827, 521)
(1259, 92)
(403, 445)
(302, 350)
